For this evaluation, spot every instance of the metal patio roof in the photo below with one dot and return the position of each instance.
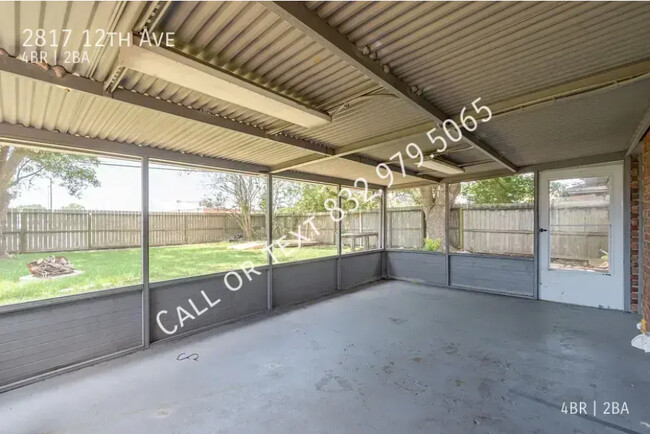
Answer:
(565, 80)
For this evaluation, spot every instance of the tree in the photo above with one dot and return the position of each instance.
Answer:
(404, 198)
(285, 195)
(20, 167)
(509, 189)
(309, 198)
(73, 207)
(432, 200)
(239, 194)
(34, 207)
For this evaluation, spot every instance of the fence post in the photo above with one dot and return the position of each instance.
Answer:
(461, 229)
(424, 228)
(22, 242)
(89, 237)
(185, 228)
(225, 227)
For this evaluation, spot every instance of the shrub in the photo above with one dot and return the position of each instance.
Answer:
(432, 245)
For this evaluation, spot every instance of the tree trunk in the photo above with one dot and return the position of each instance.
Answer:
(243, 219)
(433, 206)
(10, 159)
(4, 208)
(249, 228)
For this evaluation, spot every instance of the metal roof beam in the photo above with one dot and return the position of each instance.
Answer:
(152, 16)
(640, 130)
(395, 167)
(361, 146)
(308, 22)
(580, 86)
(560, 164)
(24, 136)
(72, 82)
(15, 66)
(321, 179)
(17, 135)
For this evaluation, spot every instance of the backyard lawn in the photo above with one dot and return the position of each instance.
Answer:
(103, 269)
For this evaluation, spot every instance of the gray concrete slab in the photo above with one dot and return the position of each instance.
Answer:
(394, 357)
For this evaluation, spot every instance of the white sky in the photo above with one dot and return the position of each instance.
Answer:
(170, 190)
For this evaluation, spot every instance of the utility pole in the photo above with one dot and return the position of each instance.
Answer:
(50, 199)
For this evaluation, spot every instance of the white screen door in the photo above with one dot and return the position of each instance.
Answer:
(581, 236)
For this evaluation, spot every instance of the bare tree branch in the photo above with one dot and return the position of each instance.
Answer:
(18, 178)
(10, 165)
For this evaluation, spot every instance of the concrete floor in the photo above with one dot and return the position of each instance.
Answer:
(393, 357)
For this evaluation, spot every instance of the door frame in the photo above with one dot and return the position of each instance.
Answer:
(620, 181)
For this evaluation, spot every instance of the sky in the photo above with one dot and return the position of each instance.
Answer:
(170, 190)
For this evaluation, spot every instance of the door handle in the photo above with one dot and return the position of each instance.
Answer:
(543, 230)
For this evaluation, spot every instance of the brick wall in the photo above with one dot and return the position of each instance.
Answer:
(645, 158)
(634, 234)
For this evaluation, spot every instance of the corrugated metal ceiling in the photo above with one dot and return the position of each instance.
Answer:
(458, 51)
(34, 104)
(599, 123)
(363, 119)
(17, 18)
(247, 39)
(455, 51)
(592, 124)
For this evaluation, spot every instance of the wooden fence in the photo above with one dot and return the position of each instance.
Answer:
(578, 230)
(504, 229)
(324, 233)
(406, 228)
(53, 231)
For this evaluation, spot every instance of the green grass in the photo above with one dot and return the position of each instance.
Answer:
(105, 269)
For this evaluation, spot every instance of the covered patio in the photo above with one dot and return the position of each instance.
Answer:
(389, 357)
(361, 216)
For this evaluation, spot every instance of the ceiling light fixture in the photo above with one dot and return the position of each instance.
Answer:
(178, 68)
(442, 167)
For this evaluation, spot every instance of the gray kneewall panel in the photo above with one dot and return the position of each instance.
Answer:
(358, 269)
(495, 273)
(174, 298)
(303, 281)
(43, 339)
(419, 267)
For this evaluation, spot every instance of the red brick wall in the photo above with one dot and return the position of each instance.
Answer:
(634, 234)
(645, 157)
